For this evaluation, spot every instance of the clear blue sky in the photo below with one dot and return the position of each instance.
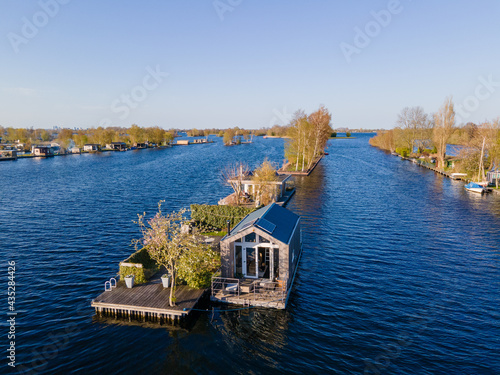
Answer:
(251, 64)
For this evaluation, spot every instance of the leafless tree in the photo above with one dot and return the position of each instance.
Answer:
(234, 175)
(444, 123)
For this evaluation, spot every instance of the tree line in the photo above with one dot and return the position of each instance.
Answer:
(102, 136)
(307, 138)
(417, 133)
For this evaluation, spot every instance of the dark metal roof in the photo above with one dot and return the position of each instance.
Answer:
(283, 220)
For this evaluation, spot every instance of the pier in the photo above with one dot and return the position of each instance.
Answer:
(149, 301)
(453, 176)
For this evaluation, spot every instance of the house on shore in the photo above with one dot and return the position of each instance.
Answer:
(43, 151)
(493, 176)
(141, 145)
(182, 142)
(8, 155)
(259, 259)
(117, 146)
(92, 147)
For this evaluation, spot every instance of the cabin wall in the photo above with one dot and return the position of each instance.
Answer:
(294, 249)
(227, 252)
(227, 258)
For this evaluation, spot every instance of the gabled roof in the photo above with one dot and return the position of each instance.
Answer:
(273, 219)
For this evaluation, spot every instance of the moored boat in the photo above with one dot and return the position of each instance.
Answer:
(475, 188)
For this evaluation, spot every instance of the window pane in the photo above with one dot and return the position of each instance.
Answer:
(251, 266)
(263, 240)
(238, 260)
(250, 237)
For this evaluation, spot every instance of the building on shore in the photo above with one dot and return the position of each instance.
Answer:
(92, 147)
(117, 146)
(43, 151)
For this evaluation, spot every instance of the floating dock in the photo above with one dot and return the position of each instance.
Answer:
(149, 301)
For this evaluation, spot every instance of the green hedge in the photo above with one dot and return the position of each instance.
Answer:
(142, 275)
(217, 216)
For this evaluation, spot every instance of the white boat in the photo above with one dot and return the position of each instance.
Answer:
(478, 187)
(475, 188)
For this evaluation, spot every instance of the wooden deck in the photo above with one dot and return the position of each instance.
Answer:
(147, 301)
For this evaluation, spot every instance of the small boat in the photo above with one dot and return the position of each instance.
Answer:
(479, 187)
(475, 188)
(326, 153)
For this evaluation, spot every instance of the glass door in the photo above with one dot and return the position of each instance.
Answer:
(251, 262)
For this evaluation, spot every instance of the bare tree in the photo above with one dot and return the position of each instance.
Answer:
(415, 125)
(264, 178)
(444, 122)
(234, 174)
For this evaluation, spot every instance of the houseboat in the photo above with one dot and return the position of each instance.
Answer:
(283, 190)
(117, 146)
(43, 151)
(92, 147)
(259, 259)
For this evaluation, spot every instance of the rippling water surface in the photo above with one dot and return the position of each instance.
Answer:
(399, 275)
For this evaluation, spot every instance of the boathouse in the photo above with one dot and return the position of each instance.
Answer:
(259, 259)
(42, 151)
(92, 147)
(117, 146)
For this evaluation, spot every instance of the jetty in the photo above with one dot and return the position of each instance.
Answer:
(146, 302)
(453, 176)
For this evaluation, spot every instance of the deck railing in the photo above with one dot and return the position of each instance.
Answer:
(248, 289)
(225, 285)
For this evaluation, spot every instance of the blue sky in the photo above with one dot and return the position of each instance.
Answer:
(244, 63)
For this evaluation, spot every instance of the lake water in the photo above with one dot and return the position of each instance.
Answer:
(399, 274)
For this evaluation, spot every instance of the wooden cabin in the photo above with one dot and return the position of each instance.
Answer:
(259, 259)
